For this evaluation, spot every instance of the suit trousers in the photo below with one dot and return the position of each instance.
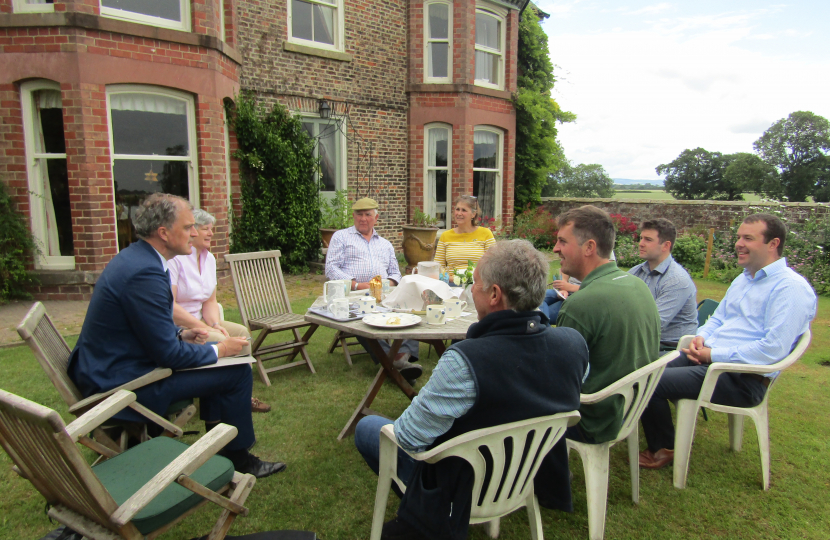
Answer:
(224, 396)
(683, 379)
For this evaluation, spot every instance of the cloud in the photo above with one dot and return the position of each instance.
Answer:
(656, 8)
(755, 126)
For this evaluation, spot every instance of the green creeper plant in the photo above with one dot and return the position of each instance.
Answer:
(280, 204)
(16, 247)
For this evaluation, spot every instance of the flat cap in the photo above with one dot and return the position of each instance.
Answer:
(365, 204)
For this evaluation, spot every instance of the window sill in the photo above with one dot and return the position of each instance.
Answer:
(314, 51)
(458, 88)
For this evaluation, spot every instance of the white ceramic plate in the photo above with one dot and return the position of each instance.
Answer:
(381, 320)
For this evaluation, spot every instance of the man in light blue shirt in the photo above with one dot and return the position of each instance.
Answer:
(764, 312)
(669, 283)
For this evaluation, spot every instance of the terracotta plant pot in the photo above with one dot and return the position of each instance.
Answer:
(418, 245)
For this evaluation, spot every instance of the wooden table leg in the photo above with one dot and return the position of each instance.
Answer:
(439, 346)
(386, 362)
(359, 413)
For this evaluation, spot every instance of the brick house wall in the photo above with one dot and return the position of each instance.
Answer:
(367, 80)
(85, 53)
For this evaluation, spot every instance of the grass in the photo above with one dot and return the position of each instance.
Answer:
(328, 489)
(660, 195)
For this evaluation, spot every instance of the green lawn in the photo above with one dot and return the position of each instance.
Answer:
(660, 195)
(328, 489)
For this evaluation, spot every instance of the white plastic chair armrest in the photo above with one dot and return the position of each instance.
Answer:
(99, 414)
(155, 375)
(608, 391)
(684, 342)
(716, 369)
(190, 460)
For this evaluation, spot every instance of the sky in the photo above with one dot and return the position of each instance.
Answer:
(648, 80)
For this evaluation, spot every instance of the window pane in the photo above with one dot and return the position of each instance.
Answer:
(484, 187)
(487, 67)
(166, 9)
(36, 2)
(301, 20)
(440, 153)
(51, 125)
(438, 59)
(58, 216)
(135, 179)
(438, 21)
(485, 150)
(328, 160)
(487, 31)
(150, 133)
(324, 25)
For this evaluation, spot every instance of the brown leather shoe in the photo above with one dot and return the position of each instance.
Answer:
(259, 406)
(656, 460)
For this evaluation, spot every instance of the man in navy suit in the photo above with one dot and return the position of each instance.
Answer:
(129, 331)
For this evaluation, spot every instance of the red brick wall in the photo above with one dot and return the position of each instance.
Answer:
(84, 62)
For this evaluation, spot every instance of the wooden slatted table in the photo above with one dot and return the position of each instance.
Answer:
(426, 333)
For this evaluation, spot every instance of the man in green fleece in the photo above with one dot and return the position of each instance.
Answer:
(613, 310)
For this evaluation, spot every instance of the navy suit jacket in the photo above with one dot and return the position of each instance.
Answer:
(128, 330)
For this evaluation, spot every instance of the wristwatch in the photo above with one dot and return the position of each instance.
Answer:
(179, 333)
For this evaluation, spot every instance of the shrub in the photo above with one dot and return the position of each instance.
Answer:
(336, 212)
(690, 251)
(16, 245)
(536, 226)
(625, 226)
(280, 203)
(627, 252)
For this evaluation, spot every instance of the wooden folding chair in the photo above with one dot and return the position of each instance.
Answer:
(263, 303)
(52, 352)
(140, 493)
(345, 340)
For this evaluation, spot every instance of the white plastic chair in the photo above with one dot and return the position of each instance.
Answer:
(539, 434)
(687, 411)
(636, 388)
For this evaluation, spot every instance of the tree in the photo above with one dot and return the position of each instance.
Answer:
(748, 172)
(582, 181)
(797, 146)
(699, 174)
(538, 153)
(280, 204)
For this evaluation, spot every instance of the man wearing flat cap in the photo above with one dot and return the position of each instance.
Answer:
(359, 254)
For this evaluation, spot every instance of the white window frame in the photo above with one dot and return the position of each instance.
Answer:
(20, 6)
(222, 34)
(193, 142)
(339, 27)
(428, 40)
(429, 208)
(38, 212)
(340, 141)
(124, 15)
(501, 14)
(498, 170)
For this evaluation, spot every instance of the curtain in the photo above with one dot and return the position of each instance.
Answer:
(436, 158)
(324, 25)
(154, 103)
(46, 99)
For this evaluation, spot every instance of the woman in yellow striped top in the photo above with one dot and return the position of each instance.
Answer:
(466, 241)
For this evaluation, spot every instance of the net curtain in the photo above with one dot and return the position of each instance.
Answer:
(436, 135)
(46, 99)
(485, 156)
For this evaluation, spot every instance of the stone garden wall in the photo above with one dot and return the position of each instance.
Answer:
(687, 214)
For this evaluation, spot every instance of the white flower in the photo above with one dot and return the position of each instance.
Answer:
(456, 280)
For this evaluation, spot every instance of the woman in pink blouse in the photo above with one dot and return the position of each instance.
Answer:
(193, 281)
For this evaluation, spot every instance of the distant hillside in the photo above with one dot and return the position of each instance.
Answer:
(652, 184)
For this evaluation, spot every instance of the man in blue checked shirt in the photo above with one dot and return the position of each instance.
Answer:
(513, 366)
(764, 312)
(670, 284)
(359, 254)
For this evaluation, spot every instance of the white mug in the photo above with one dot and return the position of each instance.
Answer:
(340, 308)
(430, 269)
(347, 286)
(365, 305)
(332, 290)
(454, 307)
(436, 314)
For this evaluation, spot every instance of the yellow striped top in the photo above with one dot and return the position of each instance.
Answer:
(455, 249)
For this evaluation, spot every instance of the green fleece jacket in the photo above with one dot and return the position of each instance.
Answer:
(616, 314)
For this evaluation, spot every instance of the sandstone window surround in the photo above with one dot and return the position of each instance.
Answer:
(47, 174)
(330, 148)
(487, 169)
(437, 177)
(153, 147)
(33, 6)
(173, 14)
(317, 24)
(438, 42)
(490, 46)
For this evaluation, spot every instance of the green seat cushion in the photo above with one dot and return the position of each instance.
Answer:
(177, 406)
(128, 472)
